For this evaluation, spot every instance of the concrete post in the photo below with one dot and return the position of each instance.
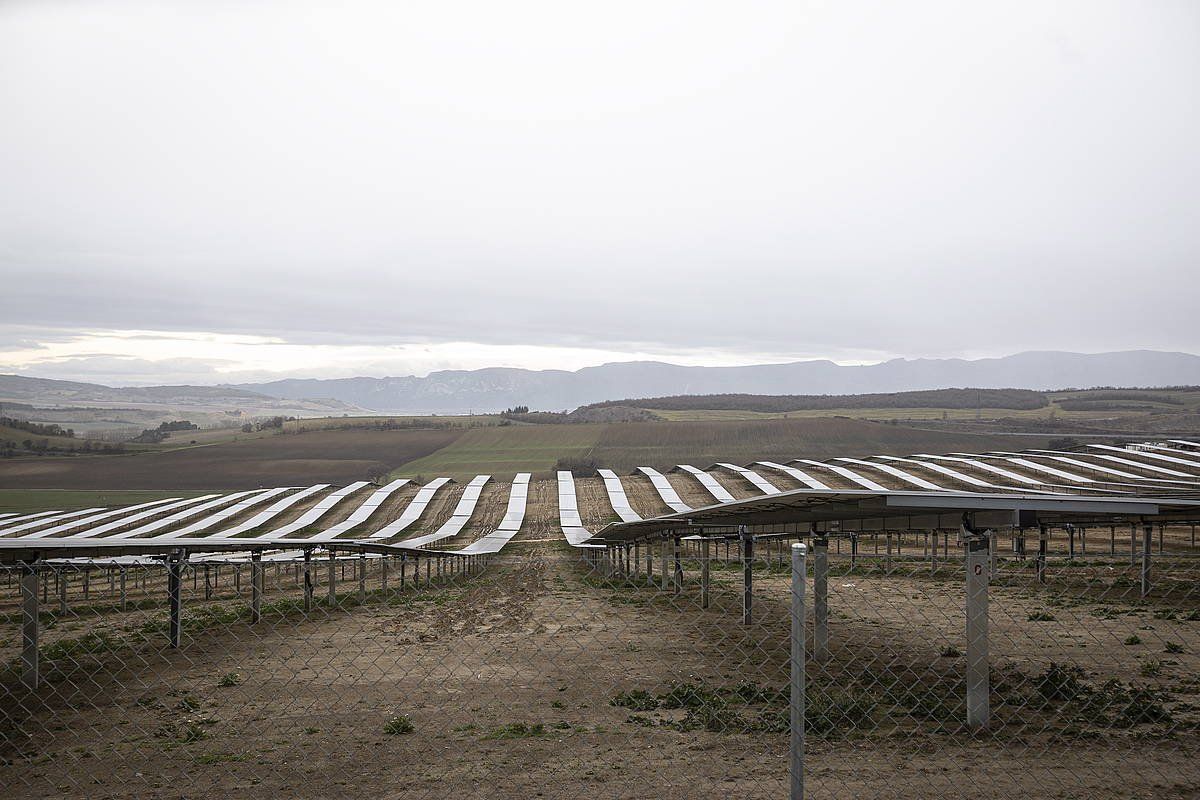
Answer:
(797, 698)
(978, 701)
(820, 598)
(29, 626)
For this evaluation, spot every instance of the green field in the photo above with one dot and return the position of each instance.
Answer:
(25, 501)
(507, 449)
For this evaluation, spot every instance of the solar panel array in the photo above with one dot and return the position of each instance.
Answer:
(1155, 468)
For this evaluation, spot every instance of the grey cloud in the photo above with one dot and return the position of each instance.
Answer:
(919, 179)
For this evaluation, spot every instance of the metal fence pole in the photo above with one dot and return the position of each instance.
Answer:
(747, 575)
(175, 598)
(978, 705)
(796, 704)
(308, 582)
(1147, 544)
(256, 586)
(678, 571)
(666, 564)
(820, 598)
(362, 577)
(1043, 544)
(29, 626)
(332, 578)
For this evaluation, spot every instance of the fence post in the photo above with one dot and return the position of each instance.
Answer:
(978, 705)
(61, 572)
(256, 586)
(175, 597)
(820, 598)
(678, 571)
(796, 749)
(1043, 544)
(362, 577)
(332, 578)
(308, 582)
(29, 626)
(747, 575)
(1147, 543)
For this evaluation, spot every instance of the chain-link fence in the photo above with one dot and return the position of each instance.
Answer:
(658, 670)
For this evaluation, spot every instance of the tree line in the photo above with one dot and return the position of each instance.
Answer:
(1016, 399)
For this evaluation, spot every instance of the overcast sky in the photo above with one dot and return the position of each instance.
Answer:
(214, 191)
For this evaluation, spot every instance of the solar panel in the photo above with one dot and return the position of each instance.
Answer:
(617, 497)
(251, 501)
(798, 474)
(85, 521)
(514, 516)
(665, 490)
(327, 504)
(360, 514)
(150, 512)
(719, 492)
(458, 520)
(896, 472)
(568, 511)
(848, 474)
(414, 510)
(272, 511)
(43, 518)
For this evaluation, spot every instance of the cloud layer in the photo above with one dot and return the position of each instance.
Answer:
(704, 181)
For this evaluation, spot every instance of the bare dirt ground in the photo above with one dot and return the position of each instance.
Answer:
(508, 680)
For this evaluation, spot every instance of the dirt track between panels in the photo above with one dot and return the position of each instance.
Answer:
(508, 680)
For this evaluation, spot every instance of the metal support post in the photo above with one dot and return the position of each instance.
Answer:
(29, 625)
(820, 598)
(747, 575)
(308, 581)
(1147, 542)
(1043, 544)
(256, 586)
(175, 597)
(332, 578)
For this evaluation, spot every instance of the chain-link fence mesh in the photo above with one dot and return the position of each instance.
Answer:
(627, 673)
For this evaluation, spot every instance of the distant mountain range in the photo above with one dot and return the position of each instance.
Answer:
(494, 389)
